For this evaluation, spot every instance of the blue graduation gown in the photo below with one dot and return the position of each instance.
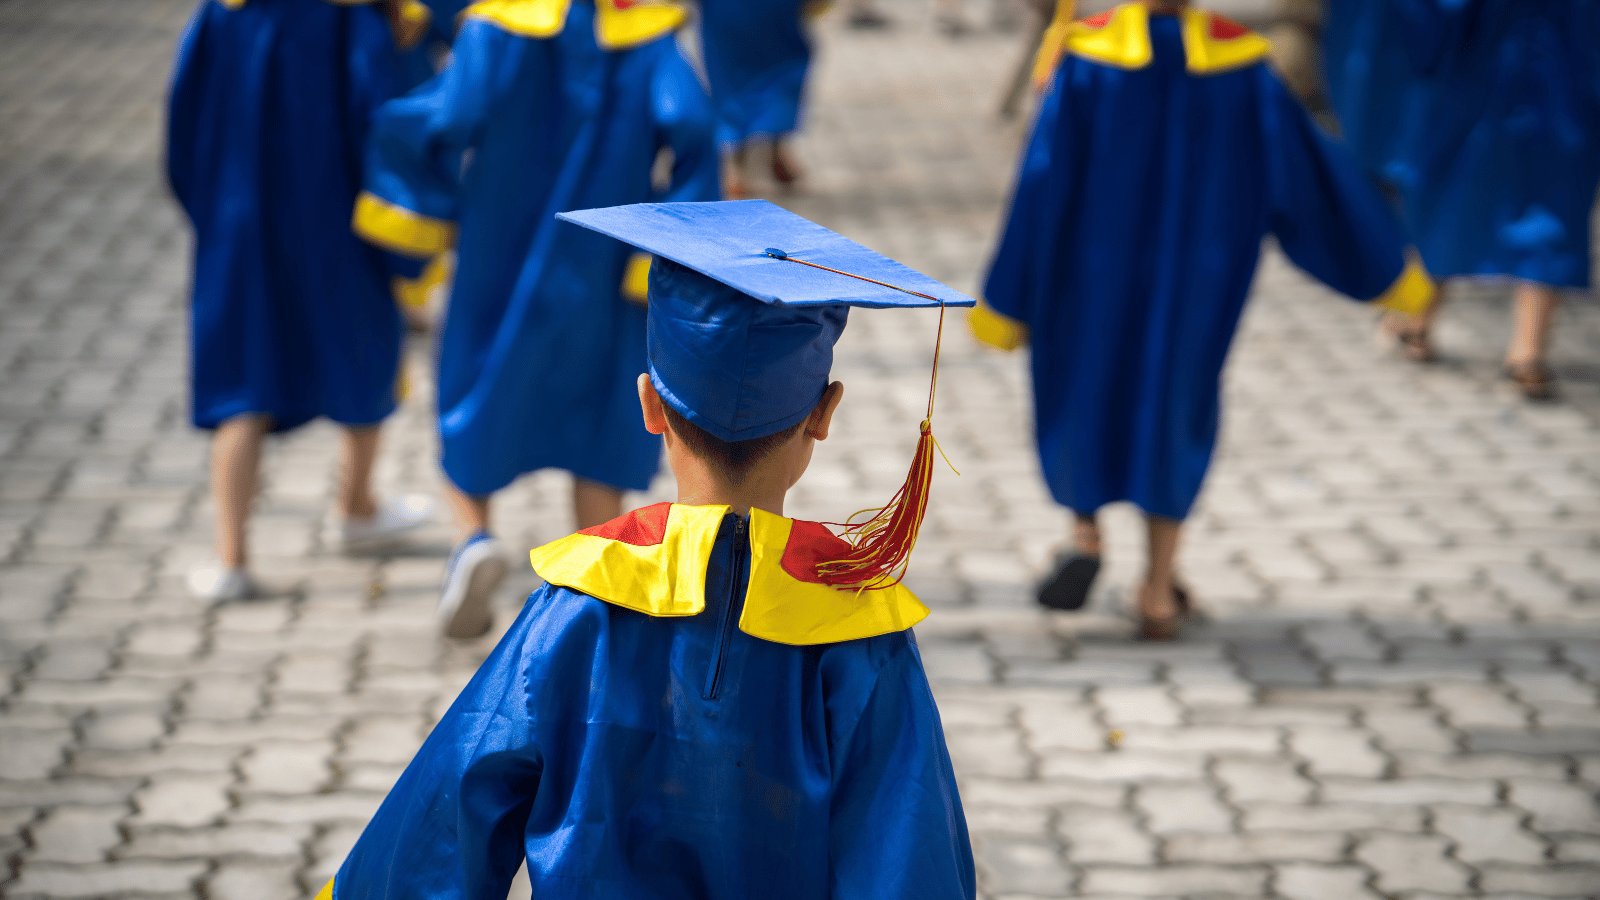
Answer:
(1368, 70)
(292, 315)
(539, 349)
(1163, 152)
(644, 743)
(757, 55)
(1503, 138)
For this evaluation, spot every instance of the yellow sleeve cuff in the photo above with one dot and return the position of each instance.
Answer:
(636, 278)
(1412, 293)
(998, 331)
(1052, 44)
(416, 293)
(399, 229)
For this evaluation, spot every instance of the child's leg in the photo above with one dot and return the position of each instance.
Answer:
(1086, 534)
(1159, 612)
(735, 181)
(235, 465)
(358, 454)
(594, 503)
(1534, 309)
(475, 570)
(1415, 333)
(784, 169)
(470, 512)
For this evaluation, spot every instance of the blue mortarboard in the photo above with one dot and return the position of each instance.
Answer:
(746, 302)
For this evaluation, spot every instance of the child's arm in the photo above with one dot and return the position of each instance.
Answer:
(897, 829)
(1328, 217)
(184, 108)
(1025, 243)
(452, 826)
(417, 144)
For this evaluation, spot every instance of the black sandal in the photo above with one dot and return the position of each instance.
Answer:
(1067, 589)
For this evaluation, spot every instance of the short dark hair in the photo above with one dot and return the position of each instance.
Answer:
(734, 459)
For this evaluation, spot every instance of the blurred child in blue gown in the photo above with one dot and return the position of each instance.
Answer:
(292, 317)
(1499, 157)
(1164, 151)
(545, 105)
(757, 57)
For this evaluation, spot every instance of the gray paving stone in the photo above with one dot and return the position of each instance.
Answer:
(76, 834)
(1409, 862)
(1542, 881)
(1557, 806)
(105, 879)
(1322, 882)
(1172, 809)
(1175, 880)
(183, 800)
(1104, 836)
(1488, 835)
(1240, 849)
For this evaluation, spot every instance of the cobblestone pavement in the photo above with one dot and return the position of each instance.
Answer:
(1395, 695)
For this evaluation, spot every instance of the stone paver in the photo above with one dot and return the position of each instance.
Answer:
(1395, 693)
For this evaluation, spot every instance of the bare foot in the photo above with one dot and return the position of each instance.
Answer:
(1160, 615)
(1412, 337)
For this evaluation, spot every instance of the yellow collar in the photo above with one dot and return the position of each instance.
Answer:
(1121, 37)
(618, 24)
(653, 561)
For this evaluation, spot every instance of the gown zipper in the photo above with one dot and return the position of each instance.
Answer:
(741, 558)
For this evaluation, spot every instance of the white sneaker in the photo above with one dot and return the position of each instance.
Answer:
(394, 518)
(476, 570)
(219, 584)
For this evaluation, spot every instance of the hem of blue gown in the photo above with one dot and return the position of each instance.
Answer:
(734, 142)
(283, 422)
(1511, 274)
(1148, 509)
(484, 487)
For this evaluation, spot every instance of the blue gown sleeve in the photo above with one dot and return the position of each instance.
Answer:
(183, 101)
(686, 125)
(379, 71)
(418, 143)
(1330, 220)
(897, 827)
(452, 825)
(1012, 283)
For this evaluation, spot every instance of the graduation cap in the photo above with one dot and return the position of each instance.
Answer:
(746, 302)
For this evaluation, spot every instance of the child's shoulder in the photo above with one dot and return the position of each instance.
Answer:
(525, 18)
(1120, 37)
(655, 561)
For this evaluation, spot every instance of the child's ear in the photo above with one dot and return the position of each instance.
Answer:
(655, 415)
(822, 416)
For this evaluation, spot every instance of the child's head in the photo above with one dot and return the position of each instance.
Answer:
(773, 461)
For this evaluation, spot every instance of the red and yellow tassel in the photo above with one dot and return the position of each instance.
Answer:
(881, 544)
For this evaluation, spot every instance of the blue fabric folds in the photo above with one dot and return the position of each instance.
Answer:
(292, 316)
(1132, 240)
(757, 56)
(1501, 144)
(625, 756)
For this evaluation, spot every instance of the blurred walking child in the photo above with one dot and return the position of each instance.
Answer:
(757, 57)
(1164, 151)
(545, 105)
(706, 699)
(1498, 155)
(292, 317)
